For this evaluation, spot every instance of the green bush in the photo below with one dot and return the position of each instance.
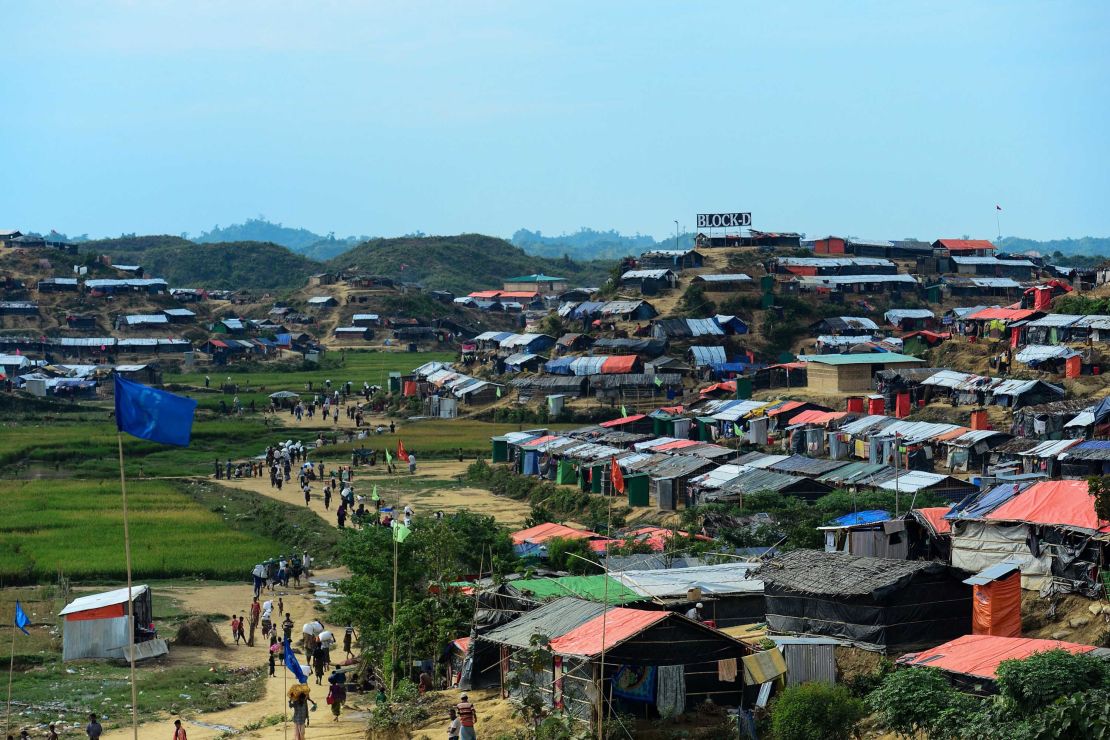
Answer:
(1042, 678)
(815, 711)
(919, 700)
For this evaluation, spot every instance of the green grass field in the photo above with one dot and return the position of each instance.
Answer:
(357, 366)
(76, 528)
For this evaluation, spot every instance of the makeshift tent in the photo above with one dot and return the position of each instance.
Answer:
(971, 660)
(97, 626)
(875, 603)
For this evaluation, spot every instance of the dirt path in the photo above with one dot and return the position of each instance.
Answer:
(425, 492)
(223, 599)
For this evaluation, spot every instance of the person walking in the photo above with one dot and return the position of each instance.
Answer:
(235, 628)
(51, 734)
(454, 725)
(337, 695)
(242, 629)
(348, 635)
(298, 702)
(256, 615)
(467, 717)
(319, 662)
(327, 498)
(93, 728)
(275, 648)
(179, 731)
(412, 464)
(287, 627)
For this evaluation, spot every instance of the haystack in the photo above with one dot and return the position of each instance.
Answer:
(196, 632)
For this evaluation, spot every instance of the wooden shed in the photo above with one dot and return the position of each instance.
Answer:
(847, 373)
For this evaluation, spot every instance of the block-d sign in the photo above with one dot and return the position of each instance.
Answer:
(723, 220)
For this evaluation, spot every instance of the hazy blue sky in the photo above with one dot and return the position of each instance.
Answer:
(874, 119)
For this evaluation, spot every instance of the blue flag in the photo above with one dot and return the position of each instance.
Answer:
(22, 621)
(148, 413)
(293, 664)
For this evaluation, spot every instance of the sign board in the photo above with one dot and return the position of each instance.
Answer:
(723, 220)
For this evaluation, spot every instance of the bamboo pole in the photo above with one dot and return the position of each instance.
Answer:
(11, 668)
(393, 651)
(130, 603)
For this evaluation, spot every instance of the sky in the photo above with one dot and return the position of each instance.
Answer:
(868, 119)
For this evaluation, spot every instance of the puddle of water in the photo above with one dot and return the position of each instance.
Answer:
(324, 593)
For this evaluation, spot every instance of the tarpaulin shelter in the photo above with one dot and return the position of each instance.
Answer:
(600, 587)
(972, 661)
(97, 626)
(661, 659)
(874, 603)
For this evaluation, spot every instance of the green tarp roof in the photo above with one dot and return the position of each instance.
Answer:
(592, 588)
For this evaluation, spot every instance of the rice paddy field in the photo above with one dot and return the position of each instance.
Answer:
(75, 528)
(357, 366)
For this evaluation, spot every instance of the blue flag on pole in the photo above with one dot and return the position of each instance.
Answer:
(148, 413)
(293, 664)
(22, 621)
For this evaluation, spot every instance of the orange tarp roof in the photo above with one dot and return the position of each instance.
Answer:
(620, 625)
(1004, 314)
(952, 434)
(622, 420)
(672, 409)
(787, 406)
(728, 385)
(678, 444)
(813, 416)
(539, 440)
(980, 655)
(484, 294)
(516, 294)
(619, 364)
(935, 516)
(1061, 502)
(543, 532)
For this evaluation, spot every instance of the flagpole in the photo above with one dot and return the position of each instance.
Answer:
(131, 606)
(11, 668)
(284, 696)
(130, 603)
(393, 652)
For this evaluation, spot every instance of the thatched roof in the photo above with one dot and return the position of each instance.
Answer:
(838, 574)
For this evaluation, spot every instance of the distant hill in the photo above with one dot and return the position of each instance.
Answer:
(226, 265)
(1093, 246)
(302, 241)
(587, 244)
(461, 263)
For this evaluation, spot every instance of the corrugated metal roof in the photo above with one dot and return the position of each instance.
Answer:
(730, 277)
(617, 624)
(588, 365)
(734, 410)
(729, 578)
(912, 481)
(719, 476)
(1041, 352)
(855, 279)
(994, 282)
(869, 358)
(835, 262)
(854, 471)
(551, 620)
(970, 439)
(97, 601)
(704, 356)
(895, 315)
(1055, 319)
(807, 466)
(992, 261)
(649, 274)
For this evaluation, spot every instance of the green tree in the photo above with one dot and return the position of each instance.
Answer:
(695, 303)
(815, 711)
(1099, 487)
(571, 555)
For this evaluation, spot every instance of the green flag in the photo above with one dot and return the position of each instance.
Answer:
(658, 381)
(624, 411)
(400, 532)
(499, 391)
(376, 497)
(388, 457)
(736, 429)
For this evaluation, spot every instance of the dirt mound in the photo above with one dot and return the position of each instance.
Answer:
(196, 632)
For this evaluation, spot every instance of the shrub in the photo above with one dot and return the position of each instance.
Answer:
(919, 700)
(815, 711)
(1042, 678)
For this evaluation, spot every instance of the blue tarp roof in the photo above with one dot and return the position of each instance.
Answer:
(1093, 444)
(558, 366)
(981, 504)
(862, 517)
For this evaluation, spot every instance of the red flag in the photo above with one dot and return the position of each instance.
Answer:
(401, 451)
(616, 476)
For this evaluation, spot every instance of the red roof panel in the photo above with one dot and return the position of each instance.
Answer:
(1005, 314)
(1065, 503)
(980, 655)
(543, 532)
(935, 516)
(620, 624)
(619, 364)
(621, 421)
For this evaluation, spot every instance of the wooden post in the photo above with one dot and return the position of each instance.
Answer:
(393, 651)
(11, 668)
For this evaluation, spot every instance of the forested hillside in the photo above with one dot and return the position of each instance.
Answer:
(461, 263)
(227, 265)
